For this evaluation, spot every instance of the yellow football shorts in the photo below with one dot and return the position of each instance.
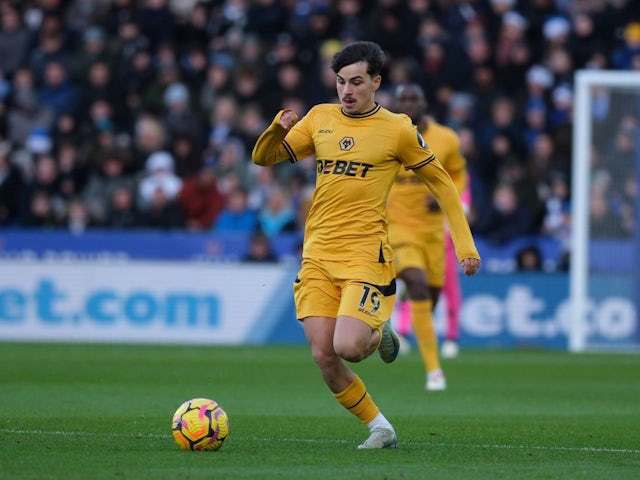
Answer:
(359, 289)
(423, 250)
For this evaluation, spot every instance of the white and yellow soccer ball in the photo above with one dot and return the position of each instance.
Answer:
(200, 424)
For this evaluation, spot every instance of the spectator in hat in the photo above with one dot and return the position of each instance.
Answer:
(159, 175)
(538, 81)
(179, 117)
(94, 48)
(217, 82)
(556, 31)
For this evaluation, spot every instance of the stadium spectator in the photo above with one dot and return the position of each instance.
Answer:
(99, 85)
(217, 81)
(15, 40)
(58, 91)
(508, 218)
(73, 172)
(45, 179)
(161, 210)
(159, 175)
(11, 188)
(201, 200)
(624, 56)
(529, 259)
(557, 217)
(50, 49)
(157, 22)
(179, 118)
(276, 215)
(95, 49)
(109, 173)
(260, 250)
(26, 112)
(77, 218)
(40, 212)
(122, 211)
(149, 137)
(237, 216)
(228, 53)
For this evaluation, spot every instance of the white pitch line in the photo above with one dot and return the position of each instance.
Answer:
(309, 440)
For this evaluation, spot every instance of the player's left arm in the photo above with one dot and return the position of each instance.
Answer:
(444, 190)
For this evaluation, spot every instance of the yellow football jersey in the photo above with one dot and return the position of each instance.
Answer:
(411, 207)
(357, 160)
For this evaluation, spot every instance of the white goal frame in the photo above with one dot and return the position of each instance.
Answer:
(584, 80)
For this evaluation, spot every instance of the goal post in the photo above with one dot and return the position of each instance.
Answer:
(604, 275)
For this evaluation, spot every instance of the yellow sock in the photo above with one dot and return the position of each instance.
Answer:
(357, 400)
(425, 332)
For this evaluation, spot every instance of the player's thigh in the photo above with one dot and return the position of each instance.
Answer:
(315, 292)
(369, 292)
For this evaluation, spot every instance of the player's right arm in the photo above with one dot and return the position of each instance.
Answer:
(269, 148)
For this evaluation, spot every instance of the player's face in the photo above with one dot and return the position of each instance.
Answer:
(411, 102)
(356, 89)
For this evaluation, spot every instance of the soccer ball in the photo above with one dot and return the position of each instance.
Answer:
(200, 424)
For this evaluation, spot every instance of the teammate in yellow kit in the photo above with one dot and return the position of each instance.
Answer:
(417, 229)
(345, 289)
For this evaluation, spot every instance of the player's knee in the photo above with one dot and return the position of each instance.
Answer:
(324, 357)
(349, 350)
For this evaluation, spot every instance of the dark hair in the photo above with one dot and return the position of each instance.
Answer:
(362, 51)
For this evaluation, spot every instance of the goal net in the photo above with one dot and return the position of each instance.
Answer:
(604, 275)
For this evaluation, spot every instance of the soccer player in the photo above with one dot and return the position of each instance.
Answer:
(345, 289)
(417, 228)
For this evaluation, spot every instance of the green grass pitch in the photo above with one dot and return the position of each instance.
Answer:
(70, 411)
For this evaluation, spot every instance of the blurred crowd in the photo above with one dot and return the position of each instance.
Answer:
(130, 114)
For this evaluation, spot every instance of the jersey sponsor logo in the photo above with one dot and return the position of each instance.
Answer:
(342, 167)
(346, 143)
(323, 130)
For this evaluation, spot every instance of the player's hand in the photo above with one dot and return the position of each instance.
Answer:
(288, 119)
(470, 266)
